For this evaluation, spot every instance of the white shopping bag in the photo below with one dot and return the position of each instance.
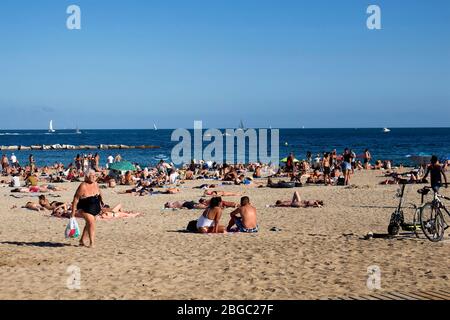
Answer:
(72, 229)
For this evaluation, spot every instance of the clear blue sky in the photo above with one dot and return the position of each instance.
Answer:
(280, 63)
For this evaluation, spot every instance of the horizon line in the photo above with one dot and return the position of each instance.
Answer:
(298, 128)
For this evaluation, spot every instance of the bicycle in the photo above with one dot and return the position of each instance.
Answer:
(431, 218)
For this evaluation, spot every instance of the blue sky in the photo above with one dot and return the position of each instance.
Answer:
(279, 63)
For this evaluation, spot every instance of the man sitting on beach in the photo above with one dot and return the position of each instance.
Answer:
(244, 217)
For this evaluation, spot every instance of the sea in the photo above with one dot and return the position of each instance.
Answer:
(397, 145)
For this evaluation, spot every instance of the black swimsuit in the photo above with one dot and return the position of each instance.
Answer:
(90, 205)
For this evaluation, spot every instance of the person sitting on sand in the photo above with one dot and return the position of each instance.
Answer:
(31, 180)
(209, 220)
(127, 180)
(231, 175)
(297, 202)
(257, 173)
(315, 177)
(244, 217)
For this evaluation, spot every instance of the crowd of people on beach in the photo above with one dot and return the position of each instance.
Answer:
(327, 168)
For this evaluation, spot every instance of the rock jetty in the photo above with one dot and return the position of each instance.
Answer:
(72, 147)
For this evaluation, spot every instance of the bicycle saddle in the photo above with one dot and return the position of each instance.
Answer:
(424, 191)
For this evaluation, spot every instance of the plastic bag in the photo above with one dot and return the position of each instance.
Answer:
(72, 229)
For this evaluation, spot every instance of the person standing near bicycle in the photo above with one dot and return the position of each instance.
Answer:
(436, 171)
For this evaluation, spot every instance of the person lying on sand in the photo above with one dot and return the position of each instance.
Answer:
(205, 186)
(35, 189)
(171, 191)
(116, 212)
(407, 178)
(33, 206)
(220, 193)
(201, 204)
(244, 217)
(297, 202)
(185, 205)
(43, 201)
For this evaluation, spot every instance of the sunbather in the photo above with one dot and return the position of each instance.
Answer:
(220, 193)
(297, 202)
(33, 206)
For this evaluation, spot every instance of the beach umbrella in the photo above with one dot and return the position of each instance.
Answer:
(285, 160)
(122, 166)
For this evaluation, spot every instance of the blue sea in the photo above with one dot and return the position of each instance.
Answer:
(395, 145)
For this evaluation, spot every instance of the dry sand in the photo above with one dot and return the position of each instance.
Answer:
(149, 258)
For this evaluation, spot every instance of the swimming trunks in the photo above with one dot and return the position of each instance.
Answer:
(90, 205)
(189, 205)
(436, 186)
(241, 227)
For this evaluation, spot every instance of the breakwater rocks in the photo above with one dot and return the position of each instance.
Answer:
(72, 147)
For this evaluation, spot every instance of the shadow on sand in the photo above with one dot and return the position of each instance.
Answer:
(41, 244)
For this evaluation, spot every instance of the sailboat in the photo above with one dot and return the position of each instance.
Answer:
(154, 127)
(386, 130)
(50, 127)
(241, 125)
(77, 131)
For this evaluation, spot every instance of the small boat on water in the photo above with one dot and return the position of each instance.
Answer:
(50, 127)
(241, 126)
(154, 127)
(386, 130)
(77, 131)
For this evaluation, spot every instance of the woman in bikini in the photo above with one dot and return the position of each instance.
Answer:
(88, 202)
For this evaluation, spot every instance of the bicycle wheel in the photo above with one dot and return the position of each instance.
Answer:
(432, 222)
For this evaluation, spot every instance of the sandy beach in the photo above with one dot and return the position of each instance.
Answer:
(319, 253)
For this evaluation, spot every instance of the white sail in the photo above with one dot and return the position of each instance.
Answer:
(50, 126)
(78, 131)
(154, 127)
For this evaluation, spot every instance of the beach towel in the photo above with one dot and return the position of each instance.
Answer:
(72, 229)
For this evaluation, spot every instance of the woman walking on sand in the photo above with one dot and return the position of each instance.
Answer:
(88, 202)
